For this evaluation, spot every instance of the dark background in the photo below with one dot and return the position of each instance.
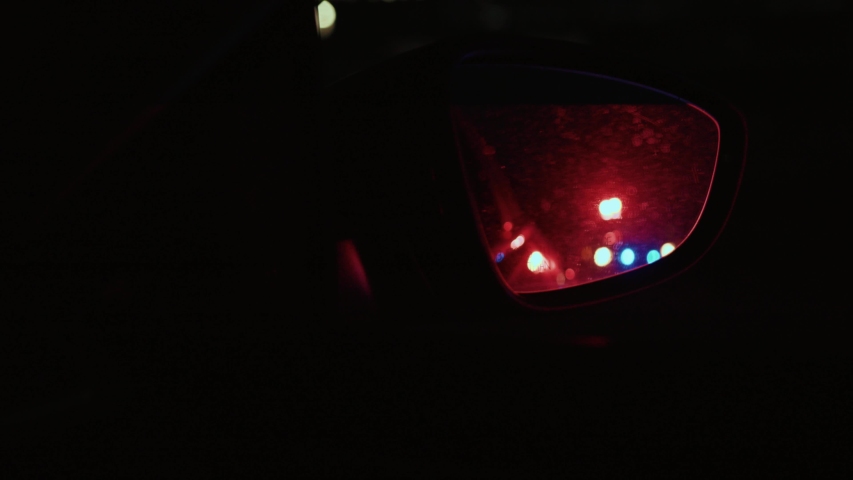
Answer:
(164, 301)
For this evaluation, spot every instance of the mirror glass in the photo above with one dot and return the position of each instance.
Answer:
(577, 177)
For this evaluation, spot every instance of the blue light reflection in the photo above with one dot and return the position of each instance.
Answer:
(653, 256)
(627, 256)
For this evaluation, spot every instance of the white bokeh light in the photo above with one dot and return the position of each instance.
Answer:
(603, 256)
(326, 17)
(610, 209)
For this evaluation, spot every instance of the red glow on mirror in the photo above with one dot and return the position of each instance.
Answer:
(583, 184)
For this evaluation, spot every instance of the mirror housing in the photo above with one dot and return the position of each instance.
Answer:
(403, 194)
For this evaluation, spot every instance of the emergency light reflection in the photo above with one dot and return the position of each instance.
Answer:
(603, 256)
(517, 243)
(652, 256)
(537, 262)
(610, 209)
(565, 195)
(627, 257)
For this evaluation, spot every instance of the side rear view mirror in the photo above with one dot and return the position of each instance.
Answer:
(546, 173)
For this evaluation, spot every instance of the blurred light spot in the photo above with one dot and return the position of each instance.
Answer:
(586, 254)
(666, 249)
(627, 257)
(652, 256)
(507, 226)
(518, 242)
(353, 287)
(603, 256)
(570, 274)
(561, 279)
(536, 262)
(326, 16)
(326, 13)
(610, 209)
(499, 257)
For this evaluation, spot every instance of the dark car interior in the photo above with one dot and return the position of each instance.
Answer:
(192, 207)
